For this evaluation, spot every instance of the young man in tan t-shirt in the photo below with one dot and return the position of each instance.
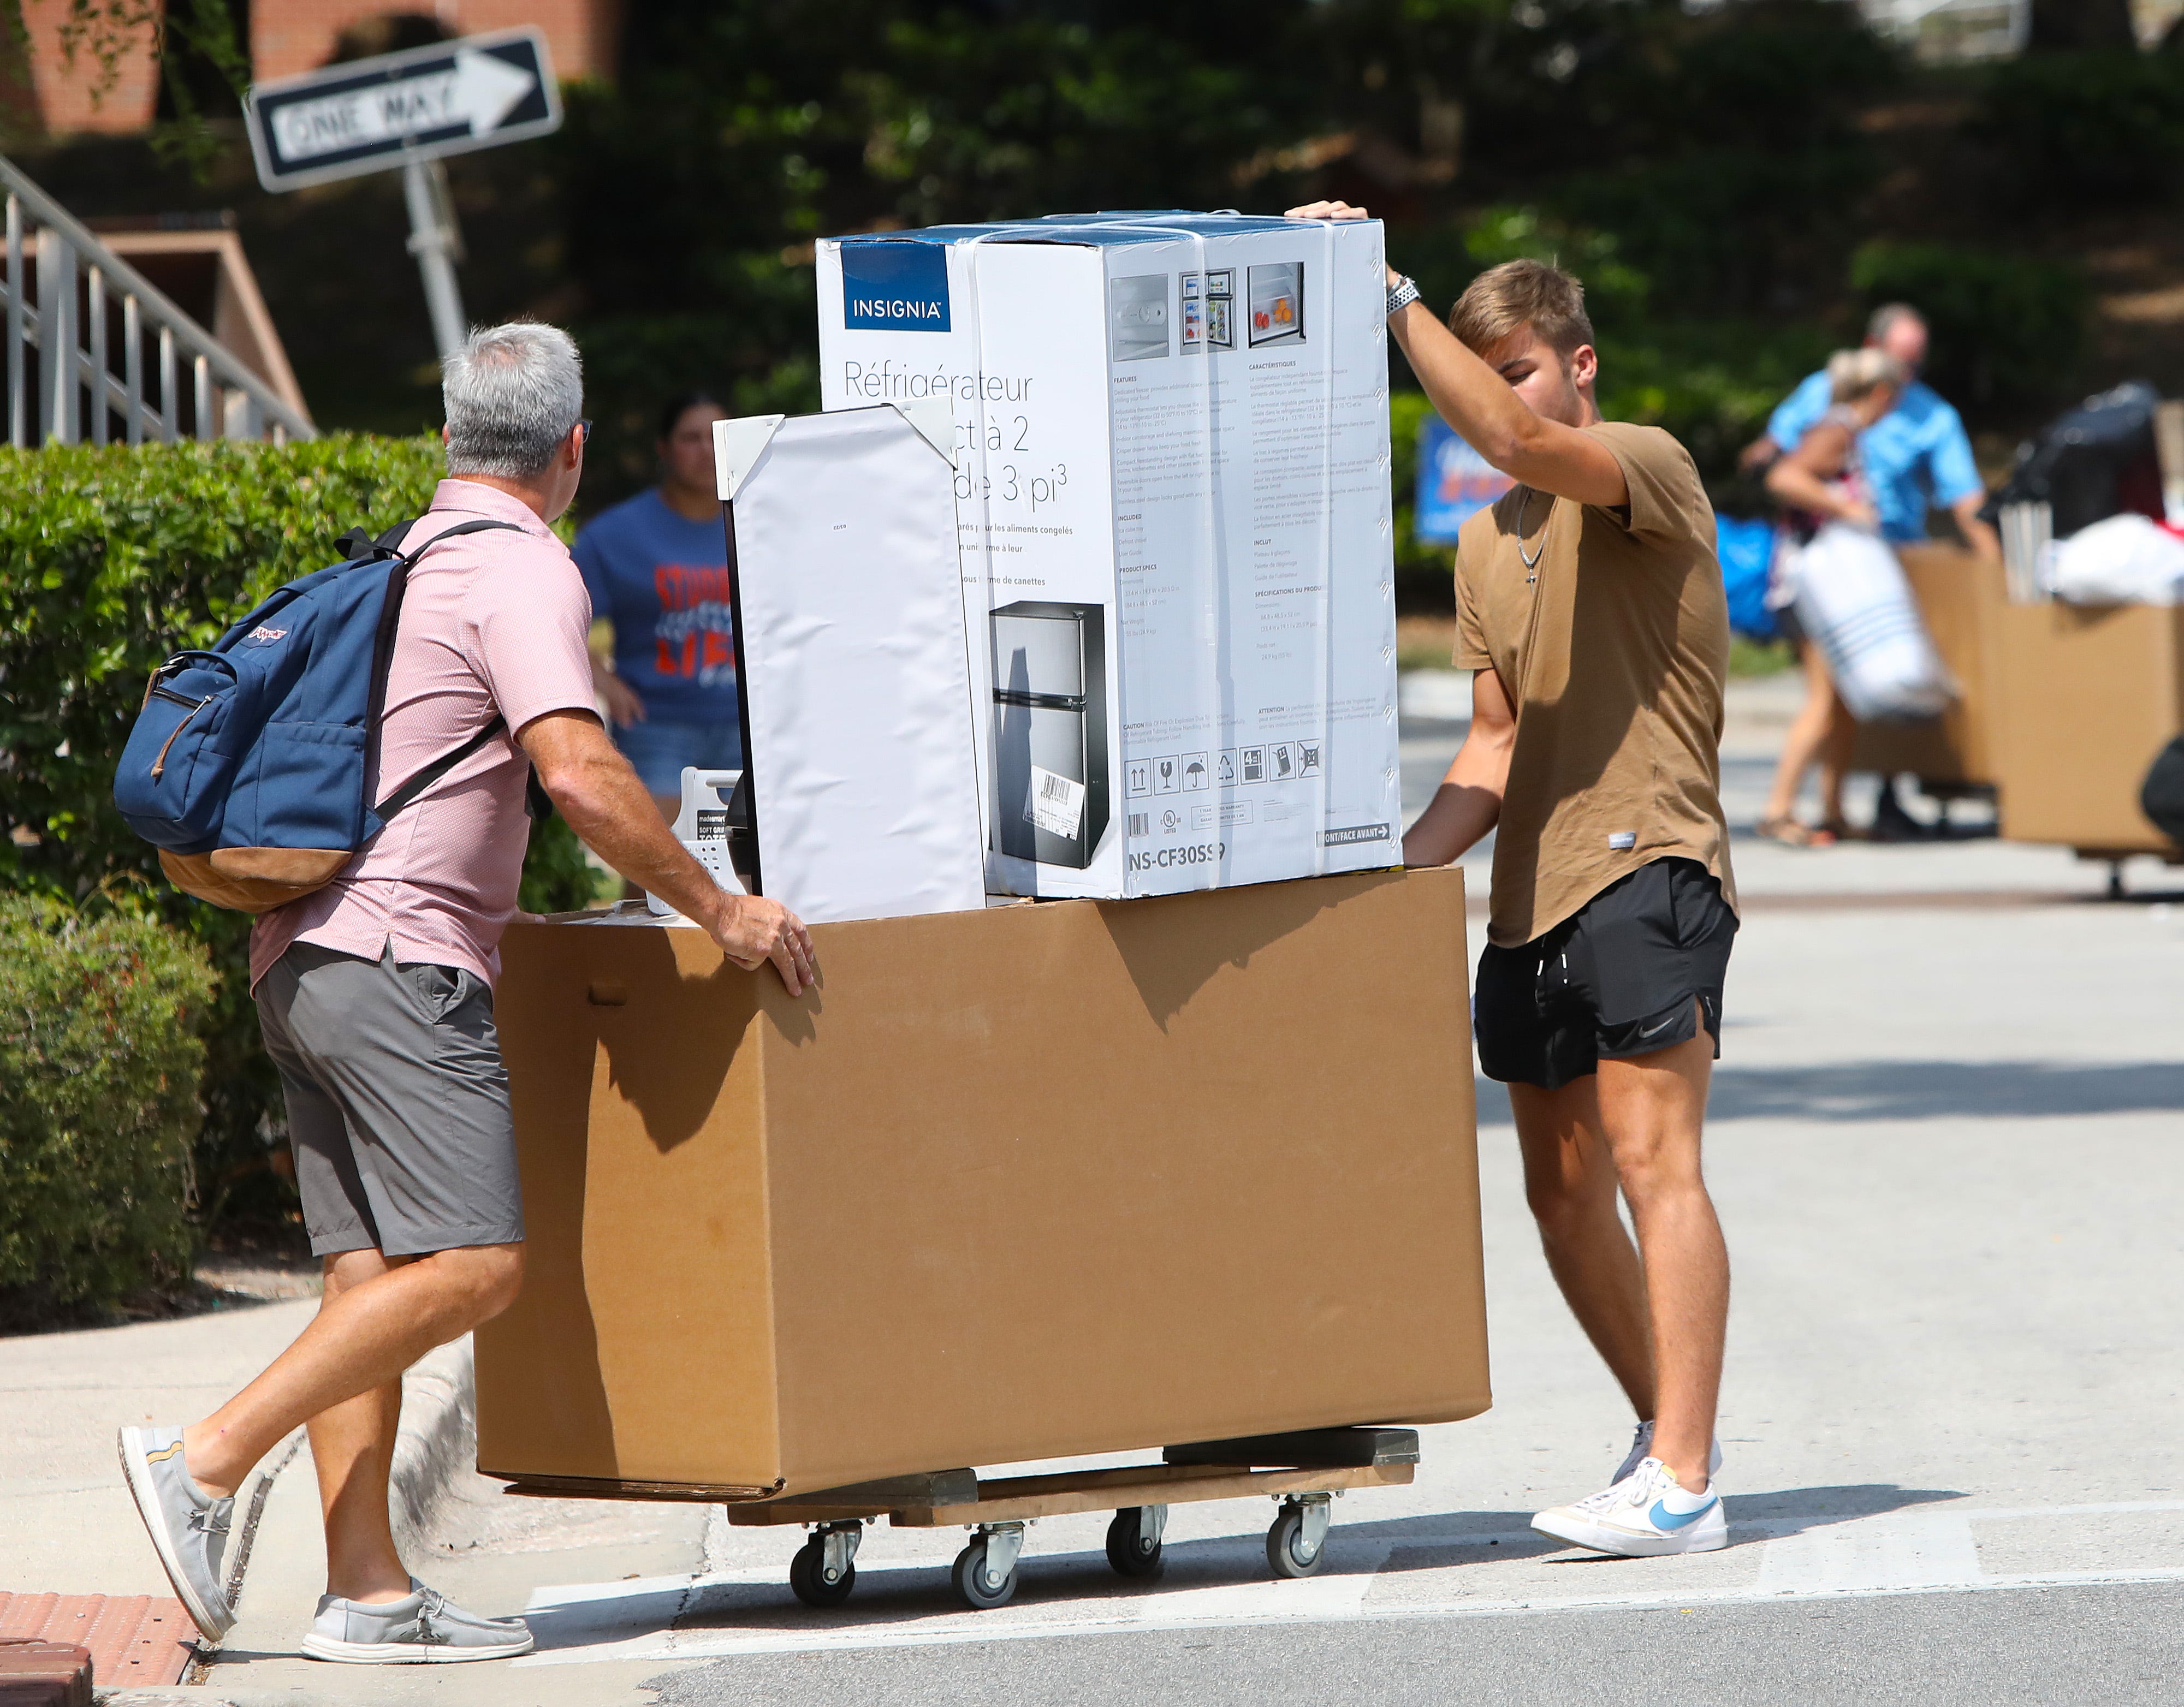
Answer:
(1590, 607)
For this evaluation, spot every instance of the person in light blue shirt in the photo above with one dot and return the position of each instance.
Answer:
(1916, 456)
(1914, 459)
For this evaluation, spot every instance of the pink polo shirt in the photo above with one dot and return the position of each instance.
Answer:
(493, 622)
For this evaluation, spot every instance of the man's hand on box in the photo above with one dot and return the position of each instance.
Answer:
(1338, 210)
(752, 930)
(606, 805)
(1326, 211)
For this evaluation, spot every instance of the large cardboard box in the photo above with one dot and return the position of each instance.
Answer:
(1172, 490)
(1044, 1180)
(1960, 597)
(2086, 696)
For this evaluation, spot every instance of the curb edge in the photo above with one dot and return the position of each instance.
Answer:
(437, 1441)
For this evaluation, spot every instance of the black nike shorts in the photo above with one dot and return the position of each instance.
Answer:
(1630, 972)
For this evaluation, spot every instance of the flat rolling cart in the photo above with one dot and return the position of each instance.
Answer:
(1309, 1470)
(1304, 1472)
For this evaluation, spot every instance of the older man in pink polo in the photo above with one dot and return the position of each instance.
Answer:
(375, 996)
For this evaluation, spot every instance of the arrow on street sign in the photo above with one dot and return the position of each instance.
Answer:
(368, 115)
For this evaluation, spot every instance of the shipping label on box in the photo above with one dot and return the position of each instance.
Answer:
(1173, 511)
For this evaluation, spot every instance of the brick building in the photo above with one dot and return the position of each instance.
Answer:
(288, 37)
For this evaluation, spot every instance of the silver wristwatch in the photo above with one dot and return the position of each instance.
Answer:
(1401, 295)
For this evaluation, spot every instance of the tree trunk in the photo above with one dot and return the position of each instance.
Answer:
(2067, 24)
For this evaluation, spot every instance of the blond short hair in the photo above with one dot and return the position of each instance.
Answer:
(1522, 293)
(1854, 375)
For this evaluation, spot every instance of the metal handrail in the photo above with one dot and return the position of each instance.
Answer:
(213, 368)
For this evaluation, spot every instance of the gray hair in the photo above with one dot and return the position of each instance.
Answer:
(1854, 375)
(1887, 318)
(512, 393)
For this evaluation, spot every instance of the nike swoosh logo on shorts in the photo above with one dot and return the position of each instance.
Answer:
(1663, 1518)
(1649, 1030)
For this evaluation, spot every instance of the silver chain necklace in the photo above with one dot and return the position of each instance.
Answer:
(1531, 561)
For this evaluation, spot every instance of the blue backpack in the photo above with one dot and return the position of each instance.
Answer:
(247, 764)
(1746, 552)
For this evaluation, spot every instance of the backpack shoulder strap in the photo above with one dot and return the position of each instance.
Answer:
(454, 532)
(357, 546)
(421, 780)
(389, 544)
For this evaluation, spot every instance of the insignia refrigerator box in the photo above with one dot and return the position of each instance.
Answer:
(1173, 512)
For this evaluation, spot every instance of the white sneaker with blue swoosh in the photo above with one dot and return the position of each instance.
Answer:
(1642, 1516)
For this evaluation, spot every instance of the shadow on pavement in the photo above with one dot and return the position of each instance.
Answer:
(1922, 1090)
(914, 1593)
(1793, 1511)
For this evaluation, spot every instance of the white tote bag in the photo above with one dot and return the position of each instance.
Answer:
(1853, 601)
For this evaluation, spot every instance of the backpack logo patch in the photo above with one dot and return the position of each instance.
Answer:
(263, 636)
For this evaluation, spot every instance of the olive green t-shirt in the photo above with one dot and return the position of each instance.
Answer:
(1613, 647)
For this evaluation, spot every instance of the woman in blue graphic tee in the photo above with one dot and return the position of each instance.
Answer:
(657, 569)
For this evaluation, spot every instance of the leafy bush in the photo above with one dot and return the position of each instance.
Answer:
(100, 1059)
(1721, 149)
(2089, 128)
(1711, 380)
(110, 558)
(2005, 330)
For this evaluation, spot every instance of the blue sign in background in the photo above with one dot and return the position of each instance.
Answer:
(1455, 483)
(894, 286)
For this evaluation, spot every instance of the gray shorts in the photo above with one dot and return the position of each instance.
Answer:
(398, 1103)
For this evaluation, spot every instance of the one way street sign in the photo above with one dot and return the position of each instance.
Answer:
(370, 115)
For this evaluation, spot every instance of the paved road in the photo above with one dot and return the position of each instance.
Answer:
(2052, 1647)
(1946, 1149)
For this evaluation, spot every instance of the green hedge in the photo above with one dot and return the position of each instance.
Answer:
(111, 558)
(100, 1059)
(2099, 127)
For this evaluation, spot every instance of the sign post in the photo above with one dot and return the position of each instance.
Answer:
(409, 110)
(437, 244)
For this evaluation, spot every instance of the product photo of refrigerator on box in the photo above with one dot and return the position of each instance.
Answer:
(1277, 304)
(1175, 528)
(1050, 720)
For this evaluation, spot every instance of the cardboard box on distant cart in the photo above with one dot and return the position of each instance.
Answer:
(2086, 696)
(1172, 490)
(1037, 1181)
(1960, 598)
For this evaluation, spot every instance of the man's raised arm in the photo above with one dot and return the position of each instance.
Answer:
(1483, 403)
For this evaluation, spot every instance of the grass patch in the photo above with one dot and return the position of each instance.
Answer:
(1425, 642)
(1748, 656)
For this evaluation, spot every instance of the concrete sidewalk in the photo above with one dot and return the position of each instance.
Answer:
(67, 1524)
(66, 1520)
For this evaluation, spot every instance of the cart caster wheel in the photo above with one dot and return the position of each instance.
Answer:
(980, 1591)
(807, 1576)
(1287, 1549)
(1131, 1549)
